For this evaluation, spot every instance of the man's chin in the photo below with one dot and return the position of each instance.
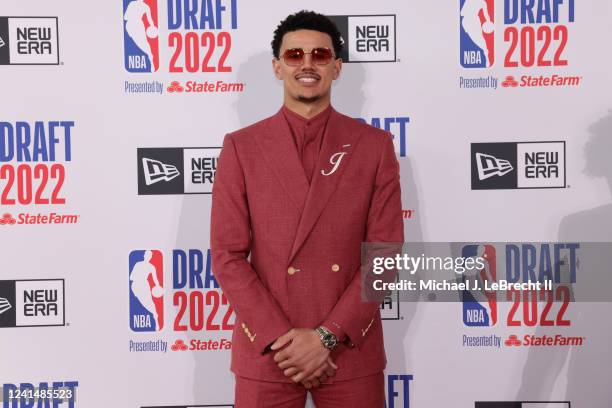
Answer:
(308, 99)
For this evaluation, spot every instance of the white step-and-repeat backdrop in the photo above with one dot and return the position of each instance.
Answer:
(111, 121)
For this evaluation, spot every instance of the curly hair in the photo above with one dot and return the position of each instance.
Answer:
(307, 20)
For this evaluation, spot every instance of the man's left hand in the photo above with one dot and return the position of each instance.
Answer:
(303, 356)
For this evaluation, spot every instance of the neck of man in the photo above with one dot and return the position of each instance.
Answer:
(305, 108)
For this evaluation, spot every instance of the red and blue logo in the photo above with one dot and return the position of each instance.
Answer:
(533, 34)
(477, 33)
(478, 313)
(140, 35)
(199, 302)
(146, 290)
(509, 264)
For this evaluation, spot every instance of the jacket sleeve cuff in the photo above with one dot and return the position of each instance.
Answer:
(262, 343)
(337, 329)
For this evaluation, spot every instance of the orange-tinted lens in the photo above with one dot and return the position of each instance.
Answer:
(294, 56)
(321, 56)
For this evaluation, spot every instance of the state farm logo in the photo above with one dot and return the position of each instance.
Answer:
(509, 82)
(541, 81)
(7, 219)
(179, 345)
(202, 345)
(530, 340)
(175, 86)
(512, 340)
(39, 219)
(205, 87)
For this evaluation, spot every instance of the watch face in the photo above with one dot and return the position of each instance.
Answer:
(329, 340)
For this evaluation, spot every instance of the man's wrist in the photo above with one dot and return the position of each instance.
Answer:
(327, 337)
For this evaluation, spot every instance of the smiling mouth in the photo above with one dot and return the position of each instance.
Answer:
(307, 79)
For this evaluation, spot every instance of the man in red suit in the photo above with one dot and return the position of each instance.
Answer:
(299, 192)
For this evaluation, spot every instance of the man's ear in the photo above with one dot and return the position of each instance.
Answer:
(337, 67)
(276, 68)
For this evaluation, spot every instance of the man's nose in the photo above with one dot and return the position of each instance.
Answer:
(308, 61)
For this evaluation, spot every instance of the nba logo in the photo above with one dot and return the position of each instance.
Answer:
(476, 33)
(484, 313)
(146, 273)
(140, 35)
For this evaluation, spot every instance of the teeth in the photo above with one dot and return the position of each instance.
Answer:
(307, 79)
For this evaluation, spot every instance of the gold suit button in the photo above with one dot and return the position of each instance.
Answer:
(335, 267)
(291, 270)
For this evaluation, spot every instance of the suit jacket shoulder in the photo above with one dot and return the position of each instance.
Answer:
(370, 135)
(254, 128)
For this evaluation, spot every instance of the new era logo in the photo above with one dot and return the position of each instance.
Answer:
(30, 303)
(156, 171)
(4, 305)
(29, 41)
(518, 165)
(177, 170)
(489, 166)
(367, 38)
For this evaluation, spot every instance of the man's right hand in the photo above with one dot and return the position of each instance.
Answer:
(325, 371)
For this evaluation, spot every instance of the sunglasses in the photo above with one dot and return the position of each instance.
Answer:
(295, 56)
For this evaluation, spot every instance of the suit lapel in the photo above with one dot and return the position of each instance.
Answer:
(338, 138)
(279, 151)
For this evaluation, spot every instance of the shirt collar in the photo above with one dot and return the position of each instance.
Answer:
(295, 119)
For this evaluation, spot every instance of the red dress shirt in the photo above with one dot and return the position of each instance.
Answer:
(307, 136)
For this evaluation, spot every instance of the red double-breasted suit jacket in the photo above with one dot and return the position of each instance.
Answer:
(287, 253)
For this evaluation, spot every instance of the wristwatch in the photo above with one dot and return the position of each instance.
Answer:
(328, 338)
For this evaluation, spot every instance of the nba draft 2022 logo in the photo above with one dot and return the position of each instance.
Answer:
(477, 313)
(521, 286)
(196, 304)
(146, 290)
(140, 35)
(477, 33)
(529, 33)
